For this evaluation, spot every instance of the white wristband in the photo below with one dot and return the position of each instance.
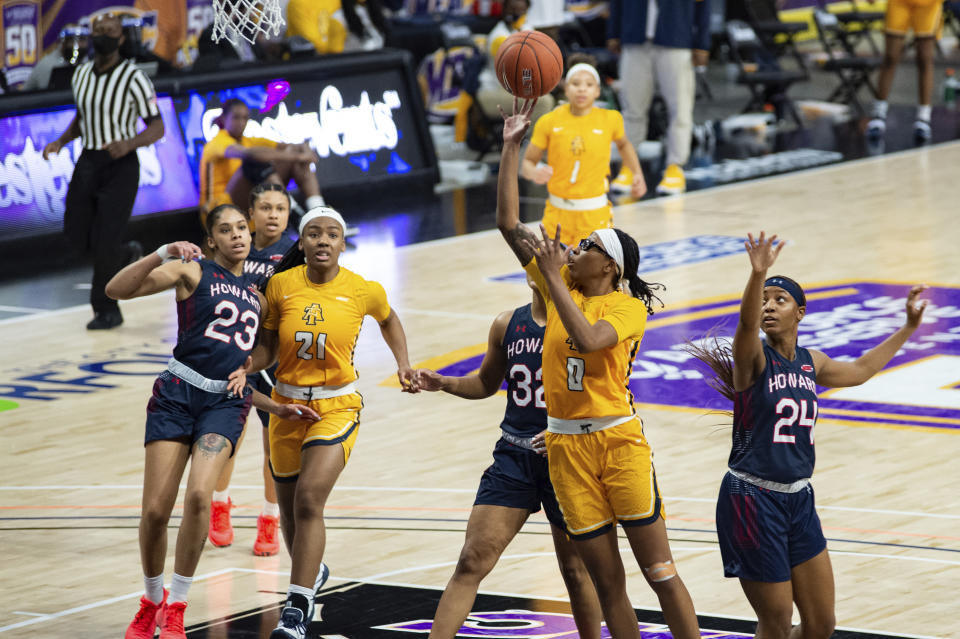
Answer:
(163, 252)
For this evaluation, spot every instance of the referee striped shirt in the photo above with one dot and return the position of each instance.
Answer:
(109, 103)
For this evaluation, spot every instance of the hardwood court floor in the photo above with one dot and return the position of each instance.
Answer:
(72, 445)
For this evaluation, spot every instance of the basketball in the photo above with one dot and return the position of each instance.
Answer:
(529, 64)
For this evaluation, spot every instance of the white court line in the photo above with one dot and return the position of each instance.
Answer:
(376, 579)
(22, 309)
(73, 309)
(415, 489)
(98, 604)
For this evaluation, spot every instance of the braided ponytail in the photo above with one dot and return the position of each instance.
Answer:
(631, 261)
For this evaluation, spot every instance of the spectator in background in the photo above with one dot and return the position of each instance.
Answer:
(491, 94)
(660, 42)
(335, 26)
(232, 163)
(547, 16)
(73, 44)
(111, 95)
(134, 49)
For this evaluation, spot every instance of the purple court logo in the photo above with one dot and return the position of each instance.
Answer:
(527, 624)
(920, 388)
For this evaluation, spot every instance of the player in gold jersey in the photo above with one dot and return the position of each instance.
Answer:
(315, 308)
(600, 462)
(576, 138)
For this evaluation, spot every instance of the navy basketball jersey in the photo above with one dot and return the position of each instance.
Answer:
(526, 413)
(218, 323)
(773, 420)
(260, 263)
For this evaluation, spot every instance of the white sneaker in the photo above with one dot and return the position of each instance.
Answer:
(293, 623)
(922, 131)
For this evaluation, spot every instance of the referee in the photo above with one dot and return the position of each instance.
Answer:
(111, 93)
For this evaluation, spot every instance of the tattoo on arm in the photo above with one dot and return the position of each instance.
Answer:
(515, 237)
(211, 444)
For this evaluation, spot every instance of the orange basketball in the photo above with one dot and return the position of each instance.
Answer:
(529, 64)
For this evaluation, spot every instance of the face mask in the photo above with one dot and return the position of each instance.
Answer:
(104, 44)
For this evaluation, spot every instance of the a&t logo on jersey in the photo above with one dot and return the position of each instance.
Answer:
(313, 314)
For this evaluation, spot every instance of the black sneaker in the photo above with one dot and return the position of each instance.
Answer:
(296, 614)
(105, 321)
(322, 577)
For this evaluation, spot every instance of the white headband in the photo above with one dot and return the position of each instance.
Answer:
(583, 66)
(612, 245)
(321, 211)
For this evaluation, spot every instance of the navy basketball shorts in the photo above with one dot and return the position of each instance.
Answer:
(763, 534)
(178, 410)
(518, 478)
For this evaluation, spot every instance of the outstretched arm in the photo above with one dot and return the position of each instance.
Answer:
(836, 374)
(393, 335)
(508, 196)
(150, 275)
(487, 380)
(748, 360)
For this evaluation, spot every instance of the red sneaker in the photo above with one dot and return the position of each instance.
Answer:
(268, 542)
(171, 621)
(221, 531)
(147, 619)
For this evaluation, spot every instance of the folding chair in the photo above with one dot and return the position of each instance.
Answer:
(778, 36)
(852, 70)
(858, 24)
(760, 72)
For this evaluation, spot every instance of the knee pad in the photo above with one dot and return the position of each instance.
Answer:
(661, 571)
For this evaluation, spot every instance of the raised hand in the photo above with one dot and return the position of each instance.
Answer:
(762, 251)
(914, 308)
(184, 251)
(515, 126)
(550, 253)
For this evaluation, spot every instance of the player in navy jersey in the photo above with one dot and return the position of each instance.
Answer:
(769, 532)
(194, 412)
(269, 214)
(517, 483)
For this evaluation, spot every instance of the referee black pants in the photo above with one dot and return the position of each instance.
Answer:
(98, 206)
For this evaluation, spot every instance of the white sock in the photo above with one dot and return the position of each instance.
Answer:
(314, 201)
(221, 496)
(880, 109)
(270, 509)
(923, 112)
(300, 590)
(153, 588)
(179, 586)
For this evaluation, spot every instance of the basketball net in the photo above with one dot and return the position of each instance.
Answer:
(236, 19)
